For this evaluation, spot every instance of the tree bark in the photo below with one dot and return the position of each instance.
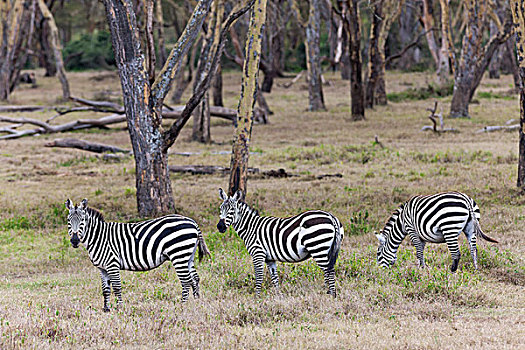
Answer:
(518, 15)
(15, 23)
(159, 22)
(313, 58)
(57, 50)
(143, 101)
(352, 25)
(475, 56)
(201, 116)
(241, 141)
(374, 57)
(217, 88)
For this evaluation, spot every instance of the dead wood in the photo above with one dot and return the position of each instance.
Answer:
(499, 128)
(86, 146)
(434, 127)
(16, 109)
(204, 169)
(293, 81)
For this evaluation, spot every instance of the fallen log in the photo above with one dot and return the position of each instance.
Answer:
(499, 128)
(204, 169)
(86, 146)
(15, 109)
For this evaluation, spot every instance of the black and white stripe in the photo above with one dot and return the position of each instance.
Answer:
(437, 218)
(316, 234)
(137, 246)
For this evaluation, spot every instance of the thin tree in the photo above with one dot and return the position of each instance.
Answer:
(243, 130)
(16, 31)
(54, 41)
(518, 15)
(144, 95)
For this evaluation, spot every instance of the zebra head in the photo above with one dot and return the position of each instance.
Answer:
(76, 221)
(229, 210)
(382, 259)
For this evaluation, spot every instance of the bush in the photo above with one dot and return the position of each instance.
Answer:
(89, 51)
(430, 91)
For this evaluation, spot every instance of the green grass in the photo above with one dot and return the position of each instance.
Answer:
(413, 94)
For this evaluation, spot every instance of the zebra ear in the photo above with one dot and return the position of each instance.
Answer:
(83, 204)
(381, 238)
(237, 195)
(222, 194)
(69, 204)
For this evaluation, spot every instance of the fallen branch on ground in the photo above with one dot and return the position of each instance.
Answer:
(293, 81)
(432, 117)
(86, 146)
(499, 128)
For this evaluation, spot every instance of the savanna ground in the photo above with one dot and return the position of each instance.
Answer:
(50, 294)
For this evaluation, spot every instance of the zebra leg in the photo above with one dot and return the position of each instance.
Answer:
(114, 277)
(194, 280)
(451, 238)
(186, 280)
(258, 268)
(106, 288)
(420, 247)
(272, 268)
(322, 261)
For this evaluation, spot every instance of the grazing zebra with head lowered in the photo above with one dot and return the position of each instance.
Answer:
(314, 233)
(139, 246)
(437, 218)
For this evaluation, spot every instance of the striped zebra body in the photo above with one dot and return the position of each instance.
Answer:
(140, 246)
(437, 218)
(316, 234)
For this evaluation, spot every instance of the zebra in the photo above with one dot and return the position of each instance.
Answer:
(140, 246)
(436, 218)
(314, 233)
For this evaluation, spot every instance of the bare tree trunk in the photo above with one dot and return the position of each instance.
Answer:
(495, 61)
(275, 37)
(46, 52)
(518, 15)
(217, 88)
(313, 58)
(154, 193)
(475, 57)
(15, 20)
(57, 49)
(345, 65)
(374, 57)
(201, 115)
(352, 25)
(159, 21)
(241, 141)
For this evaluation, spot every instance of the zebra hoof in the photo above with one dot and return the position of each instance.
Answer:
(454, 266)
(106, 309)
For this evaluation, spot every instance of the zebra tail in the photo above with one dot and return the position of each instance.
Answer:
(336, 244)
(203, 249)
(477, 227)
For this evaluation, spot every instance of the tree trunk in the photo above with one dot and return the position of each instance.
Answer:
(217, 88)
(143, 101)
(469, 56)
(46, 53)
(446, 53)
(201, 116)
(57, 50)
(475, 58)
(159, 19)
(313, 58)
(345, 65)
(495, 61)
(275, 36)
(241, 141)
(518, 15)
(352, 24)
(15, 23)
(374, 57)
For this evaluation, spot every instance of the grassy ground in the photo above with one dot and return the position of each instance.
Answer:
(50, 295)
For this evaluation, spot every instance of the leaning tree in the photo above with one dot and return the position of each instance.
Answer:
(144, 93)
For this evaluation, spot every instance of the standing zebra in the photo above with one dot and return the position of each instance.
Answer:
(139, 246)
(437, 218)
(314, 233)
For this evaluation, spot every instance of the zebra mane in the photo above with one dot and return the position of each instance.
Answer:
(95, 214)
(248, 209)
(391, 220)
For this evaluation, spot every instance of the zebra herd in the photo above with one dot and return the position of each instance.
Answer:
(141, 246)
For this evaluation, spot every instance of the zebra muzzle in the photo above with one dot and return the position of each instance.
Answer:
(75, 241)
(221, 226)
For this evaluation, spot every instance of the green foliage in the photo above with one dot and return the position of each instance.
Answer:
(15, 223)
(96, 52)
(495, 95)
(430, 91)
(359, 224)
(77, 160)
